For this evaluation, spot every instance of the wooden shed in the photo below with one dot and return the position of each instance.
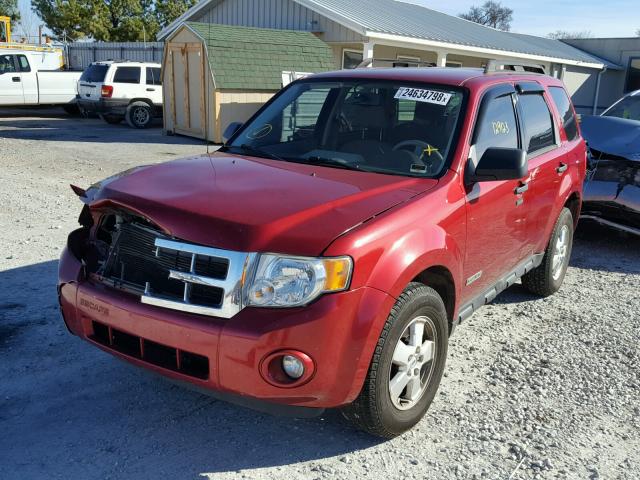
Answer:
(217, 74)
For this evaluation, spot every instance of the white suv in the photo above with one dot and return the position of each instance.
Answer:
(119, 90)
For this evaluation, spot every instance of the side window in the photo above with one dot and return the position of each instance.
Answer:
(153, 76)
(299, 118)
(6, 64)
(498, 126)
(127, 75)
(538, 123)
(569, 122)
(24, 63)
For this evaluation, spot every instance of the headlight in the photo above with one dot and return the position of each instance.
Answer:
(282, 281)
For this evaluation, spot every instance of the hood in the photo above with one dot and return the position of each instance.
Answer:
(253, 204)
(612, 135)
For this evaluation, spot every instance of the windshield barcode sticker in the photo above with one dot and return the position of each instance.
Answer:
(420, 95)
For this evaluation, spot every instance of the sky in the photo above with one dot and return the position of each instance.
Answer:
(611, 18)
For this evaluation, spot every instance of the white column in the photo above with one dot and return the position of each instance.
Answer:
(441, 61)
(367, 52)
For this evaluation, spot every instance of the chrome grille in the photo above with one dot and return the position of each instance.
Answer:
(172, 274)
(230, 285)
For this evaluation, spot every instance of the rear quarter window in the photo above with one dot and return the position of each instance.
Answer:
(538, 123)
(127, 75)
(569, 122)
(94, 73)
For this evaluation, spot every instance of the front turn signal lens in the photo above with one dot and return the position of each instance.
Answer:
(338, 273)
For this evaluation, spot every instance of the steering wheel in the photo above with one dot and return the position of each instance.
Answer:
(425, 153)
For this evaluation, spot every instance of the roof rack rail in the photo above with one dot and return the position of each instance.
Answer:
(520, 67)
(369, 61)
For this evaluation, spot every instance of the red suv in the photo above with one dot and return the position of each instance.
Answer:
(323, 256)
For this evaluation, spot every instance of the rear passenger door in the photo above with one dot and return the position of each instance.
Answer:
(545, 155)
(126, 82)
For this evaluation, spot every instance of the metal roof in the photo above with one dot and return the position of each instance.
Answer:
(410, 23)
(417, 22)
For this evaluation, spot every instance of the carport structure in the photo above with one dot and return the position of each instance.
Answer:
(217, 74)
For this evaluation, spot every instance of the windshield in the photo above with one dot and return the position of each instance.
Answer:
(385, 127)
(94, 73)
(628, 107)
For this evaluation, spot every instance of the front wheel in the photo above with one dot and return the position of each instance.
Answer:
(139, 115)
(547, 278)
(407, 365)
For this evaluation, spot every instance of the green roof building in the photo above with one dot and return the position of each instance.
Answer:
(217, 74)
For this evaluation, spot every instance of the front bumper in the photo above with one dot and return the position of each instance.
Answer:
(338, 331)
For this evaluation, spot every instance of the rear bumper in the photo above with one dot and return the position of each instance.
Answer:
(102, 106)
(339, 332)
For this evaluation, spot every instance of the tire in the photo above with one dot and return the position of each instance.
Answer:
(376, 410)
(547, 278)
(112, 119)
(139, 115)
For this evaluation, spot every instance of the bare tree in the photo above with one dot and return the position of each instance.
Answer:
(491, 14)
(560, 34)
(28, 25)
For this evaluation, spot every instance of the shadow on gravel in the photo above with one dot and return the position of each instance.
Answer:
(600, 248)
(53, 125)
(73, 411)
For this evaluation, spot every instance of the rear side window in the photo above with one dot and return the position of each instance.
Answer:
(24, 63)
(538, 124)
(569, 122)
(498, 128)
(127, 75)
(94, 73)
(153, 76)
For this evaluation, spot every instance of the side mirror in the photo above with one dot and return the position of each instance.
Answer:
(499, 164)
(230, 131)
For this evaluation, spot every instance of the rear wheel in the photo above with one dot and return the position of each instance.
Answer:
(407, 365)
(139, 115)
(112, 119)
(547, 278)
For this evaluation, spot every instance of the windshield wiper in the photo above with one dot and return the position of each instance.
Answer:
(259, 152)
(330, 162)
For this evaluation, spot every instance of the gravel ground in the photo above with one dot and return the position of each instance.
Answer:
(534, 388)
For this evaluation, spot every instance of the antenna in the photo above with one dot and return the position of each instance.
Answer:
(206, 82)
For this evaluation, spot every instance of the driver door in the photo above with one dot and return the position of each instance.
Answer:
(496, 212)
(10, 81)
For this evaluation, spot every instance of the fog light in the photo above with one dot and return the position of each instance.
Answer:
(292, 366)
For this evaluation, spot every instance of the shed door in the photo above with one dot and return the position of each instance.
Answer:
(187, 102)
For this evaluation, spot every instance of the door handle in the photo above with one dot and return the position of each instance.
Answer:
(562, 168)
(15, 79)
(151, 89)
(521, 189)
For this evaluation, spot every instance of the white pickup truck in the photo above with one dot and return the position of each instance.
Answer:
(22, 82)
